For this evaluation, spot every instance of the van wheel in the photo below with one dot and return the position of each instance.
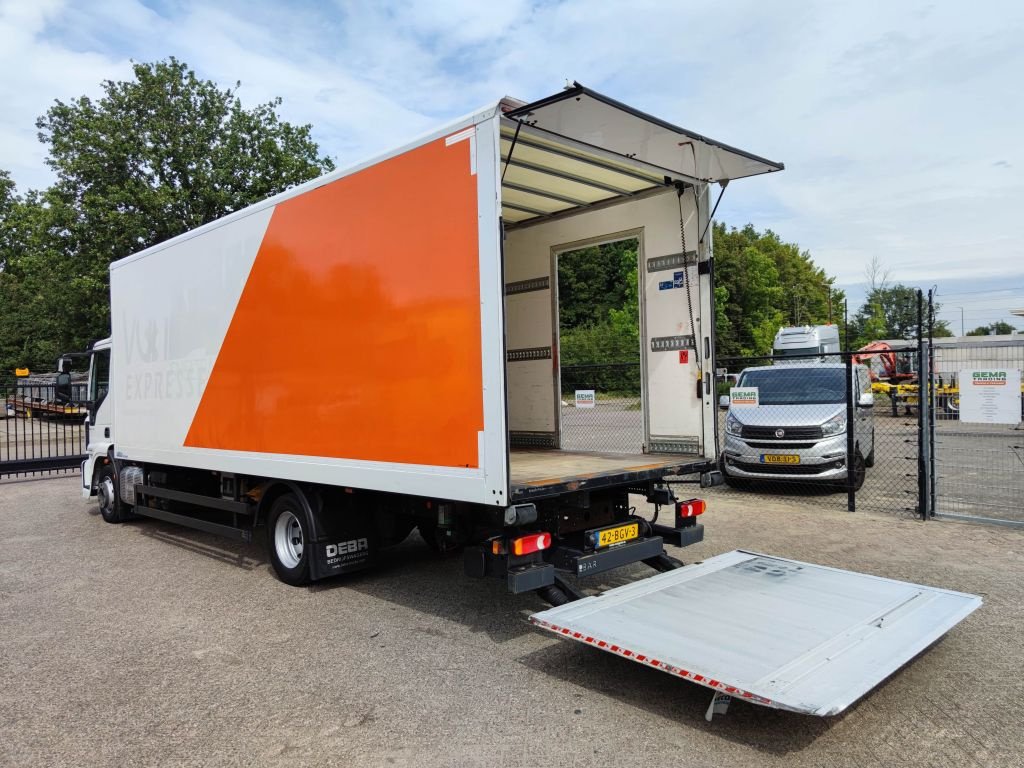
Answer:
(870, 460)
(289, 540)
(108, 495)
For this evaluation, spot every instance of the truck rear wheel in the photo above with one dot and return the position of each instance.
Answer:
(289, 540)
(108, 495)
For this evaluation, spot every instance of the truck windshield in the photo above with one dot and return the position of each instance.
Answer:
(797, 352)
(793, 386)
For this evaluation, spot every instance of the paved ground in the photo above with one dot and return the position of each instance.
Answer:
(144, 644)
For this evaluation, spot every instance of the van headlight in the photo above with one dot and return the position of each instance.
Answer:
(733, 426)
(834, 426)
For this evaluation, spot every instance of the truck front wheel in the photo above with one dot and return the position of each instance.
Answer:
(108, 495)
(289, 540)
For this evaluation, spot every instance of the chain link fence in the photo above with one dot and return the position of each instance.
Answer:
(979, 464)
(602, 411)
(822, 430)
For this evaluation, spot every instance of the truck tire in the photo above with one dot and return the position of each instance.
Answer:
(108, 495)
(951, 406)
(289, 540)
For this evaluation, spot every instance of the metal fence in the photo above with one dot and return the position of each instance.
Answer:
(613, 421)
(38, 435)
(979, 467)
(824, 430)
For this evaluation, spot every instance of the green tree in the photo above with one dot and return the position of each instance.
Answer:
(762, 284)
(891, 312)
(599, 317)
(996, 328)
(42, 291)
(155, 156)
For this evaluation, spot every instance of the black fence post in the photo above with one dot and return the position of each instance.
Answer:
(932, 405)
(924, 390)
(851, 392)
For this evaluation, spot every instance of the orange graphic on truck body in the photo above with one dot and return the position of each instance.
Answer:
(357, 334)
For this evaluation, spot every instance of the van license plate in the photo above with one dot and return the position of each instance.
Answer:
(779, 458)
(617, 535)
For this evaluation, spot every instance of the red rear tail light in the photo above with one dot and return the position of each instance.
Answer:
(535, 542)
(690, 508)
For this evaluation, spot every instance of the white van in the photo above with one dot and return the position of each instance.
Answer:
(797, 431)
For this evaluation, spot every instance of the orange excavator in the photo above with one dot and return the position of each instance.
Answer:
(887, 357)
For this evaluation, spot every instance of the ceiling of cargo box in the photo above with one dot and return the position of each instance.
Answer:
(577, 149)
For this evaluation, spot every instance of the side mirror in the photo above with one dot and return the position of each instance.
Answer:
(62, 388)
(866, 400)
(724, 401)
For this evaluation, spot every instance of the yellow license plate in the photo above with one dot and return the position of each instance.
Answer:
(779, 458)
(618, 535)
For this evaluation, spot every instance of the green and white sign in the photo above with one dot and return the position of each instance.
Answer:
(990, 396)
(743, 397)
(585, 398)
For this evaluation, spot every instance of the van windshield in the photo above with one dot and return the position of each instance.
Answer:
(793, 386)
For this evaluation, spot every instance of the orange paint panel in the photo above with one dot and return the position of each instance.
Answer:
(357, 334)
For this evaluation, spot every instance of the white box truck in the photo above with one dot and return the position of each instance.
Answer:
(805, 343)
(376, 351)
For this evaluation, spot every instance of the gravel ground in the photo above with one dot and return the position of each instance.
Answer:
(146, 644)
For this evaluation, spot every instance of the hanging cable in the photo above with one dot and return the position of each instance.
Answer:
(687, 281)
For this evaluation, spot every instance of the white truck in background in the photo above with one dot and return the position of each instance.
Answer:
(804, 342)
(376, 351)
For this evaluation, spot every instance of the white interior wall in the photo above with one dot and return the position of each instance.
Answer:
(672, 409)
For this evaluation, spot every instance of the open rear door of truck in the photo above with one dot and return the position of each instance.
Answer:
(768, 630)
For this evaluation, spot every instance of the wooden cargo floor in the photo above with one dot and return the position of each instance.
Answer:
(546, 467)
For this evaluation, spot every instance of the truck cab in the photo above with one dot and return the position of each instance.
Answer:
(100, 417)
(806, 342)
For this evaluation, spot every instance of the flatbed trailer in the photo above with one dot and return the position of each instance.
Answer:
(907, 396)
(424, 285)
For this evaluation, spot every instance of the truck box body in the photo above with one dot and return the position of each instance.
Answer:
(394, 326)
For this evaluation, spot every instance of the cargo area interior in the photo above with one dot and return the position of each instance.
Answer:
(558, 194)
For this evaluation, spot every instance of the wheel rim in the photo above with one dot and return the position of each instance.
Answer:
(288, 539)
(105, 494)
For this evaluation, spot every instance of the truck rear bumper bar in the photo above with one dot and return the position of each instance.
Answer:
(581, 563)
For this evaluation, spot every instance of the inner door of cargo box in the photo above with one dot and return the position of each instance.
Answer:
(676, 303)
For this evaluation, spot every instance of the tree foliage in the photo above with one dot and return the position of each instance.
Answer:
(762, 284)
(891, 312)
(154, 156)
(996, 328)
(598, 304)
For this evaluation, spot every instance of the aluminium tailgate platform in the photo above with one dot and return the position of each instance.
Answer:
(768, 630)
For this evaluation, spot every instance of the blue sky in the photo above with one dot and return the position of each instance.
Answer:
(900, 123)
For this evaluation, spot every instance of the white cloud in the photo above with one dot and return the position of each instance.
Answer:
(898, 122)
